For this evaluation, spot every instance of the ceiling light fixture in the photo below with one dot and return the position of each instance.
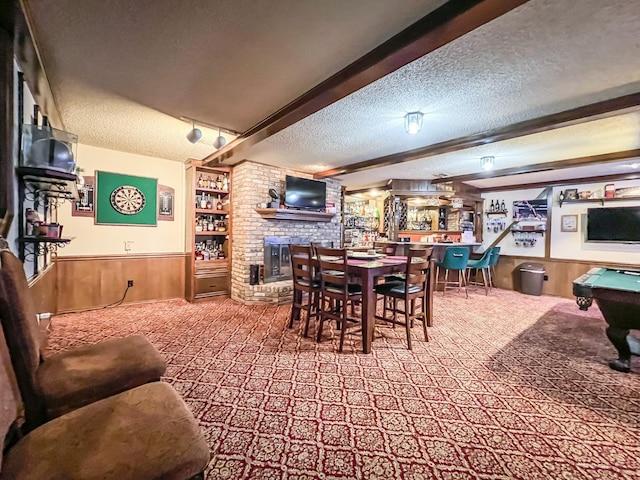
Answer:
(487, 162)
(220, 141)
(194, 134)
(413, 122)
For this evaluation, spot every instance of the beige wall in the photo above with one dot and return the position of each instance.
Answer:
(91, 239)
(564, 245)
(572, 245)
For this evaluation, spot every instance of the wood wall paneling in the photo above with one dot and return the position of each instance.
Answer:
(43, 289)
(86, 282)
(561, 273)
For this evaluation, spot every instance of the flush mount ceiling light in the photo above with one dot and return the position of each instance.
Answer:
(413, 122)
(220, 141)
(194, 134)
(487, 163)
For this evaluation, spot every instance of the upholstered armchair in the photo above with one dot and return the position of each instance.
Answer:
(53, 385)
(145, 433)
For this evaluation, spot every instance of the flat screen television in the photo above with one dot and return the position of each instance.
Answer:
(615, 224)
(305, 194)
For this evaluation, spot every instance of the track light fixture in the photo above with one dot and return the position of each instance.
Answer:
(194, 134)
(413, 122)
(487, 162)
(220, 141)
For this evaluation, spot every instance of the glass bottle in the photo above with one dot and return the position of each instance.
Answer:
(219, 183)
(209, 203)
(203, 201)
(219, 204)
(503, 206)
(492, 207)
(225, 182)
(200, 181)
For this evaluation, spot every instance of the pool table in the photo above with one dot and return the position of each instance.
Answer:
(617, 293)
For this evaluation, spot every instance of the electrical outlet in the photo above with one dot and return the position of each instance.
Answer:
(129, 283)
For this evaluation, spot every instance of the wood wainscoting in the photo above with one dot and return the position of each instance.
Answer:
(86, 282)
(44, 290)
(561, 273)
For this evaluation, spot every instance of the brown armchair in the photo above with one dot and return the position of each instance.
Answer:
(62, 382)
(142, 434)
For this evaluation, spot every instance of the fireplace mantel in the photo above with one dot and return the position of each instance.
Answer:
(298, 215)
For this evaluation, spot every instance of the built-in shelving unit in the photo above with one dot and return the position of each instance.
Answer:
(208, 236)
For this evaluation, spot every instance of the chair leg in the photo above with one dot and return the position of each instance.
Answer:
(320, 322)
(408, 318)
(446, 280)
(466, 292)
(343, 330)
(307, 319)
(485, 282)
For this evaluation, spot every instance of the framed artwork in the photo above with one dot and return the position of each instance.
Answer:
(571, 194)
(84, 206)
(166, 198)
(125, 199)
(530, 210)
(569, 223)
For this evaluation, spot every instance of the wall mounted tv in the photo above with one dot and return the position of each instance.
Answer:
(305, 194)
(616, 224)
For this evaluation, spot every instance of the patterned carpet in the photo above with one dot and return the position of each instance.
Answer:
(509, 386)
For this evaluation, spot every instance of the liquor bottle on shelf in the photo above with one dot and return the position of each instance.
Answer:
(203, 201)
(503, 206)
(225, 182)
(219, 183)
(209, 202)
(200, 181)
(492, 207)
(219, 204)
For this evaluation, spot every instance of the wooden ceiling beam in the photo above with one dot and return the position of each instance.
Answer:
(574, 116)
(618, 177)
(545, 166)
(440, 27)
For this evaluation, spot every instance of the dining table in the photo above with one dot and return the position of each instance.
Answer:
(369, 270)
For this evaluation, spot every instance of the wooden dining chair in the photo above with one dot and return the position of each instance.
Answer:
(306, 288)
(337, 294)
(414, 287)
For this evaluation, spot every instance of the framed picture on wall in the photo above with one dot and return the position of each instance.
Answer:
(571, 194)
(569, 223)
(84, 206)
(126, 199)
(166, 196)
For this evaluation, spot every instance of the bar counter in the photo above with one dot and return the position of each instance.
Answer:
(439, 248)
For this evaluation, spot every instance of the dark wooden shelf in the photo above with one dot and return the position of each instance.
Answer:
(212, 190)
(202, 234)
(599, 200)
(298, 215)
(206, 211)
(44, 240)
(498, 212)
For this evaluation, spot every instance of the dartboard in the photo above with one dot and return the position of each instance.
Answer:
(127, 200)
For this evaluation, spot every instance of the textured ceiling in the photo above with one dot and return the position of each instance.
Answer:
(122, 73)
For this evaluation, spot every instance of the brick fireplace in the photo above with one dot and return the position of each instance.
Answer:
(250, 187)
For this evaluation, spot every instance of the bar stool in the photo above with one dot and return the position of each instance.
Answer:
(492, 265)
(455, 258)
(481, 264)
